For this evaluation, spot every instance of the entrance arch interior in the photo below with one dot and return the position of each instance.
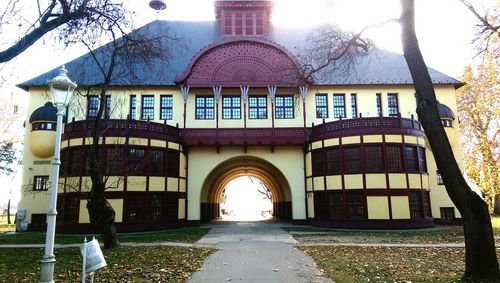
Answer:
(224, 173)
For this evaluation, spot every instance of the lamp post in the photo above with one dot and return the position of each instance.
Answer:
(62, 88)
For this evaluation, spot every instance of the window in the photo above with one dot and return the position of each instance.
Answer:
(76, 163)
(321, 105)
(335, 204)
(392, 104)
(284, 107)
(328, 204)
(133, 105)
(374, 158)
(204, 107)
(154, 207)
(257, 107)
(134, 207)
(352, 162)
(426, 204)
(317, 163)
(422, 164)
(71, 209)
(243, 23)
(355, 204)
(379, 104)
(136, 161)
(173, 158)
(43, 126)
(394, 161)
(92, 106)
(39, 222)
(231, 107)
(446, 123)
(415, 205)
(114, 160)
(338, 106)
(107, 110)
(166, 106)
(334, 164)
(148, 107)
(40, 183)
(439, 178)
(156, 162)
(228, 23)
(411, 160)
(447, 214)
(354, 105)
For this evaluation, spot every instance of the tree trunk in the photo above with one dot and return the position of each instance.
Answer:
(480, 254)
(102, 217)
(8, 212)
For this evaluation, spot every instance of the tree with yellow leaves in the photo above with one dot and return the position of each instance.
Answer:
(479, 112)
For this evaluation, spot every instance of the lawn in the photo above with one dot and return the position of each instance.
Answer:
(186, 235)
(126, 264)
(383, 264)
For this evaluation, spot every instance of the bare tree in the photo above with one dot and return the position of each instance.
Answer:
(488, 28)
(117, 62)
(261, 188)
(481, 263)
(73, 16)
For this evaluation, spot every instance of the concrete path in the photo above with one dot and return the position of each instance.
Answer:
(254, 252)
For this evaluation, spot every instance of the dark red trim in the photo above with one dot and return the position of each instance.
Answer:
(354, 223)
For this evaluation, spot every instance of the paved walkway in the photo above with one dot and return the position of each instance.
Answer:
(254, 252)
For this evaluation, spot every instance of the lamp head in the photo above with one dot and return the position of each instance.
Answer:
(62, 87)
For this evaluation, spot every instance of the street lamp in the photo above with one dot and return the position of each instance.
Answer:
(62, 88)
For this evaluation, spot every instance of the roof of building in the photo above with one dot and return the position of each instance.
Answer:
(378, 67)
(48, 112)
(445, 112)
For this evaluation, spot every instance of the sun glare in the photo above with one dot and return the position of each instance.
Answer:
(243, 201)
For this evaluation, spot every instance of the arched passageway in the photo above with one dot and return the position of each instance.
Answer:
(224, 173)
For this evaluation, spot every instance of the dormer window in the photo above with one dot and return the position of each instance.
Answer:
(243, 23)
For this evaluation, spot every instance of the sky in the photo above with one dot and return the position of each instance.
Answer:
(445, 29)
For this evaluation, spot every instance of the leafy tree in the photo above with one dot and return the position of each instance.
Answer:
(480, 254)
(8, 155)
(479, 112)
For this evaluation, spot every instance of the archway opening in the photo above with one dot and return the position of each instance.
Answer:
(264, 174)
(246, 198)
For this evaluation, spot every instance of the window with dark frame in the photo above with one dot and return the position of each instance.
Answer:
(136, 161)
(231, 107)
(76, 162)
(318, 163)
(352, 160)
(411, 159)
(148, 107)
(339, 106)
(374, 158)
(446, 123)
(41, 183)
(92, 106)
(394, 158)
(354, 105)
(156, 162)
(321, 105)
(355, 204)
(134, 207)
(133, 107)
(422, 163)
(334, 162)
(71, 209)
(257, 107)
(204, 108)
(107, 109)
(392, 104)
(336, 205)
(415, 204)
(173, 160)
(447, 214)
(379, 104)
(439, 178)
(115, 159)
(284, 107)
(166, 107)
(426, 204)
(154, 207)
(43, 126)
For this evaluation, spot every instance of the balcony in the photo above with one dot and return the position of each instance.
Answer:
(245, 136)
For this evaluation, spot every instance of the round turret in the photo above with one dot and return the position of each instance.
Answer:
(43, 130)
(447, 117)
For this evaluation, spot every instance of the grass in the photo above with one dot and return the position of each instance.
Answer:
(186, 235)
(382, 264)
(137, 264)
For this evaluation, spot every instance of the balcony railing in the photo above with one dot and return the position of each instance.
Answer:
(245, 136)
(364, 126)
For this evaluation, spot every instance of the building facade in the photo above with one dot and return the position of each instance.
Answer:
(338, 150)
